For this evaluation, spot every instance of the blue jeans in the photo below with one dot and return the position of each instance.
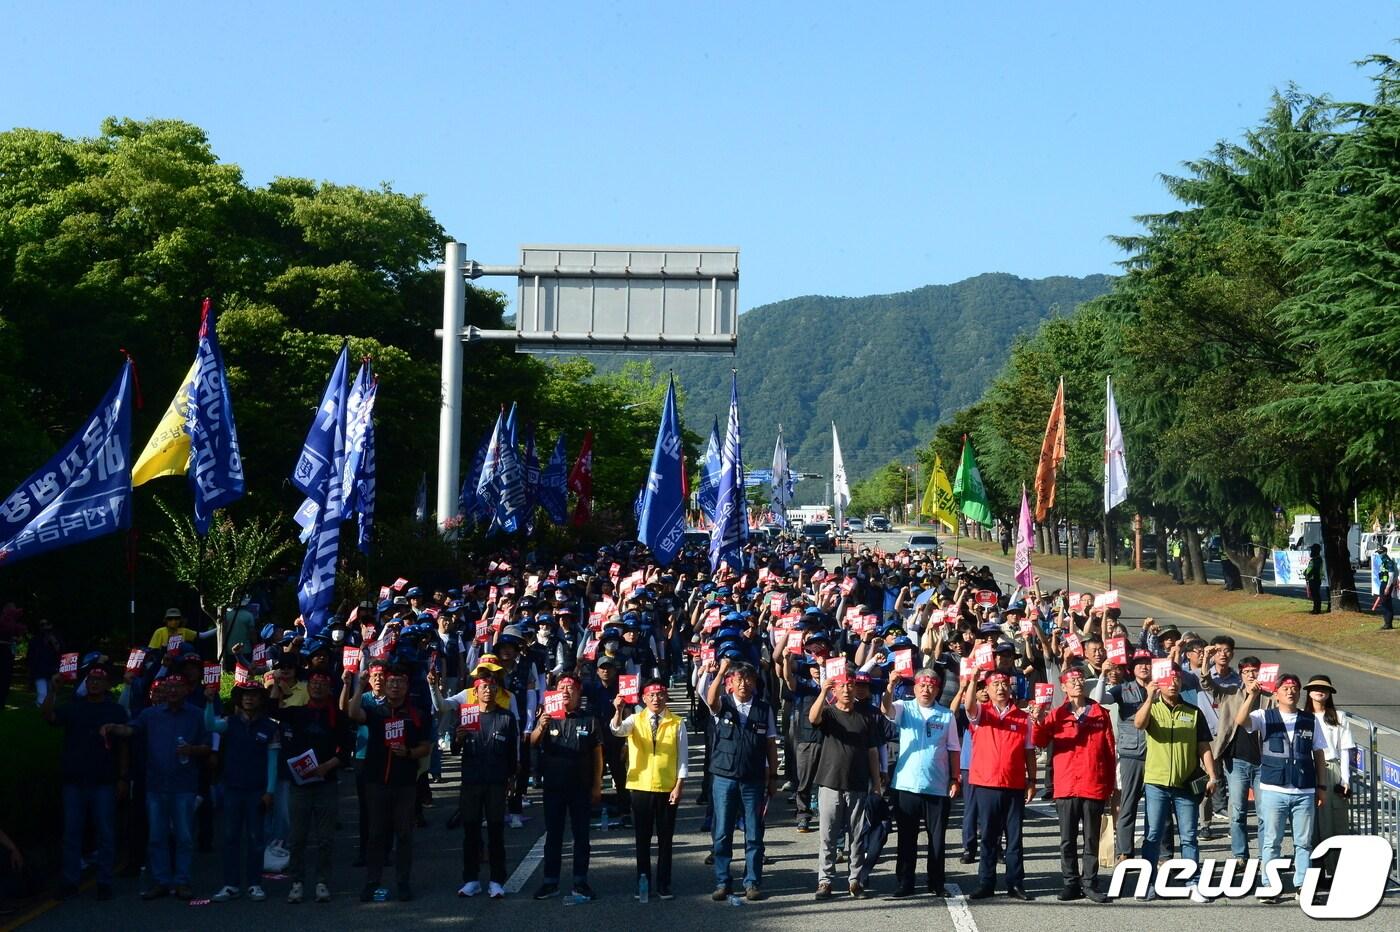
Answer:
(1241, 777)
(243, 836)
(1275, 809)
(170, 816)
(1161, 802)
(81, 802)
(728, 795)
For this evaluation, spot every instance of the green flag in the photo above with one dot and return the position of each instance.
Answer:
(969, 490)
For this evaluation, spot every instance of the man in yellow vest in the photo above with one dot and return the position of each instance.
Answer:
(657, 752)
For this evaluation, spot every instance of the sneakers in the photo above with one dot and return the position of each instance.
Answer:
(857, 891)
(583, 892)
(1094, 896)
(295, 895)
(665, 892)
(546, 890)
(471, 888)
(967, 858)
(514, 821)
(804, 828)
(496, 891)
(323, 893)
(753, 894)
(226, 893)
(1197, 896)
(257, 894)
(721, 893)
(823, 891)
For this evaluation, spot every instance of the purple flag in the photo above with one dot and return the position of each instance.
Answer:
(1025, 530)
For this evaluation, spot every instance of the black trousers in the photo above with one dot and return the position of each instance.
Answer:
(653, 814)
(1077, 815)
(911, 809)
(390, 815)
(483, 801)
(571, 801)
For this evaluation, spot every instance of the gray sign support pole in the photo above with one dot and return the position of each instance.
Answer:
(454, 319)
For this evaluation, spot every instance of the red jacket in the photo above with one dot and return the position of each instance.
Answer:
(999, 748)
(1083, 757)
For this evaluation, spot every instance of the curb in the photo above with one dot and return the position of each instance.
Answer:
(1278, 639)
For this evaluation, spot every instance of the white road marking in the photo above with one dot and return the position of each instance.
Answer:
(959, 910)
(526, 867)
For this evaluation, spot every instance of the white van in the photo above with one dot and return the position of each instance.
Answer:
(1307, 530)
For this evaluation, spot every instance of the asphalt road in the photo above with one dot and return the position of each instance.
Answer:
(789, 883)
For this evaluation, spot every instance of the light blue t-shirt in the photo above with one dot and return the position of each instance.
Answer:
(926, 735)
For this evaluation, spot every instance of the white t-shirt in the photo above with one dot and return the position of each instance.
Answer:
(1290, 721)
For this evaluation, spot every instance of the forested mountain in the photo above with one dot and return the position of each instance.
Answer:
(885, 368)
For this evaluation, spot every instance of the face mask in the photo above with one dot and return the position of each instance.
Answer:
(337, 635)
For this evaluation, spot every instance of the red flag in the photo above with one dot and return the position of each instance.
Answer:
(1052, 454)
(581, 482)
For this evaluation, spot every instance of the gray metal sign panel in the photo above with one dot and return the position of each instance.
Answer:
(621, 298)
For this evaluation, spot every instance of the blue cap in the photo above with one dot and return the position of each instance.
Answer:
(268, 632)
(414, 592)
(733, 616)
(454, 606)
(426, 618)
(386, 606)
(811, 610)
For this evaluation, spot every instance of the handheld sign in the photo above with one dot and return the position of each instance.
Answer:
(951, 615)
(1117, 650)
(627, 685)
(707, 654)
(1075, 644)
(904, 662)
(68, 667)
(394, 736)
(554, 704)
(213, 673)
(399, 584)
(833, 666)
(242, 676)
(471, 717)
(984, 656)
(303, 767)
(175, 642)
(794, 644)
(1108, 600)
(135, 658)
(1268, 677)
(1073, 600)
(384, 593)
(869, 623)
(1044, 694)
(966, 669)
(1162, 669)
(269, 679)
(847, 585)
(1027, 626)
(259, 655)
(986, 597)
(350, 659)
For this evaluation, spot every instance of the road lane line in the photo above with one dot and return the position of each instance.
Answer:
(959, 910)
(526, 868)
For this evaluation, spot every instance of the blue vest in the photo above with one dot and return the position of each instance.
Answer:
(740, 751)
(1288, 764)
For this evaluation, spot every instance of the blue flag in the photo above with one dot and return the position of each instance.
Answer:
(554, 488)
(364, 474)
(531, 471)
(420, 500)
(83, 492)
(318, 473)
(510, 437)
(467, 504)
(661, 523)
(490, 463)
(216, 469)
(708, 493)
(731, 521)
(509, 480)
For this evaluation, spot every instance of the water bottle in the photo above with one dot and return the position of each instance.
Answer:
(643, 889)
(180, 746)
(603, 821)
(573, 899)
(736, 900)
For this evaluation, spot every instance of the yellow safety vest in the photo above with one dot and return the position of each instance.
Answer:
(653, 761)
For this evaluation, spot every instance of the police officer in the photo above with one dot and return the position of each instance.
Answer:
(571, 763)
(743, 768)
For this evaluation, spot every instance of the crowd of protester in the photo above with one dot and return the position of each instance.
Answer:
(897, 693)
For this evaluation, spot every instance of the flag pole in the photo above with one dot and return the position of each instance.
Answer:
(1108, 545)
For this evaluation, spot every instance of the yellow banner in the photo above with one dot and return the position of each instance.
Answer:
(167, 453)
(938, 497)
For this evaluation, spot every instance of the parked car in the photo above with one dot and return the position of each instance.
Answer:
(877, 523)
(855, 526)
(819, 535)
(922, 543)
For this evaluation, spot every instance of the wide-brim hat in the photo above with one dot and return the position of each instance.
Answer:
(1321, 682)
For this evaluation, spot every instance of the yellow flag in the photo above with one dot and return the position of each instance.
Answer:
(938, 498)
(167, 453)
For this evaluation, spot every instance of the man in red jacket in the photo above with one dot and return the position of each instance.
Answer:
(1082, 755)
(1003, 781)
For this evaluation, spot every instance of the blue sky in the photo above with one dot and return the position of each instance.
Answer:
(847, 148)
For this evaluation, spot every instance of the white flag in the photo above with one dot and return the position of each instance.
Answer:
(1115, 463)
(840, 490)
(779, 483)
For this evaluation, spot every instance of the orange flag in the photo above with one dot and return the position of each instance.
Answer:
(1052, 454)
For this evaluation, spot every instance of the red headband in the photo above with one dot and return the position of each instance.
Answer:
(653, 688)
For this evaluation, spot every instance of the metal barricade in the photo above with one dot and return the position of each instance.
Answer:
(1375, 784)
